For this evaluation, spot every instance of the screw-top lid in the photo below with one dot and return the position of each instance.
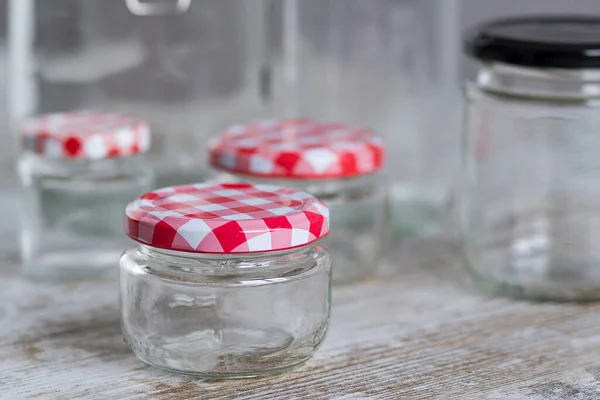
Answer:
(538, 41)
(297, 149)
(85, 135)
(227, 218)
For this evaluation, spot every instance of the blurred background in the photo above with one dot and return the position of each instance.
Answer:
(193, 67)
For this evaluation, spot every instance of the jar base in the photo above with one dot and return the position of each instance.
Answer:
(536, 292)
(224, 352)
(417, 215)
(222, 375)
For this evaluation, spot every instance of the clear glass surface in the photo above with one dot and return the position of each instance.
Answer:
(225, 316)
(531, 193)
(72, 214)
(359, 227)
(390, 65)
(189, 68)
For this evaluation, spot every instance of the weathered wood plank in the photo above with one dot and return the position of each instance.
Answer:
(421, 335)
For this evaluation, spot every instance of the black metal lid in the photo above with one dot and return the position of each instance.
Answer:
(538, 41)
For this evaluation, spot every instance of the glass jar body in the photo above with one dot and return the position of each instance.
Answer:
(358, 210)
(72, 213)
(531, 189)
(225, 316)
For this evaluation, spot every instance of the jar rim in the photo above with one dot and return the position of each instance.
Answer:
(295, 179)
(226, 269)
(539, 83)
(148, 249)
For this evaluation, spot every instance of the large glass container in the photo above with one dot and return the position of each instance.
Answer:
(531, 195)
(390, 65)
(189, 68)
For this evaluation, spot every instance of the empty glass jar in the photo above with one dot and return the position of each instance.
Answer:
(184, 66)
(335, 162)
(389, 65)
(78, 171)
(531, 195)
(226, 281)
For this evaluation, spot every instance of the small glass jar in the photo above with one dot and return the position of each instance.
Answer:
(226, 281)
(531, 195)
(334, 162)
(78, 171)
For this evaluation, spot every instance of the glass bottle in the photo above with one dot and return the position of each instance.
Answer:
(388, 65)
(335, 162)
(226, 281)
(183, 66)
(531, 189)
(77, 172)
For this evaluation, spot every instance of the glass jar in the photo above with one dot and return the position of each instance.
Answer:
(183, 66)
(335, 162)
(78, 171)
(226, 281)
(388, 65)
(530, 216)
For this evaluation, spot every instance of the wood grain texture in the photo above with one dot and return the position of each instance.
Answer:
(421, 334)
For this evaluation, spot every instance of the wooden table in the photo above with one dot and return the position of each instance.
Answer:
(421, 334)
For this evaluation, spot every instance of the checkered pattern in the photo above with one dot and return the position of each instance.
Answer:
(227, 218)
(300, 149)
(85, 135)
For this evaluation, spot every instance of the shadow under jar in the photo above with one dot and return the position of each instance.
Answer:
(336, 163)
(531, 194)
(226, 281)
(78, 171)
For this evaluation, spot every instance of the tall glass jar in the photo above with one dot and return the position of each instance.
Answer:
(184, 66)
(78, 171)
(530, 216)
(226, 281)
(389, 65)
(335, 162)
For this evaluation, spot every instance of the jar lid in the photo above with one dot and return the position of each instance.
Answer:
(85, 135)
(297, 149)
(571, 42)
(226, 218)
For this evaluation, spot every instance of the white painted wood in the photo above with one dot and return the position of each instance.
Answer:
(423, 334)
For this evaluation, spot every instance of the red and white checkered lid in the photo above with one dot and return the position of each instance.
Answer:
(226, 218)
(298, 149)
(85, 135)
